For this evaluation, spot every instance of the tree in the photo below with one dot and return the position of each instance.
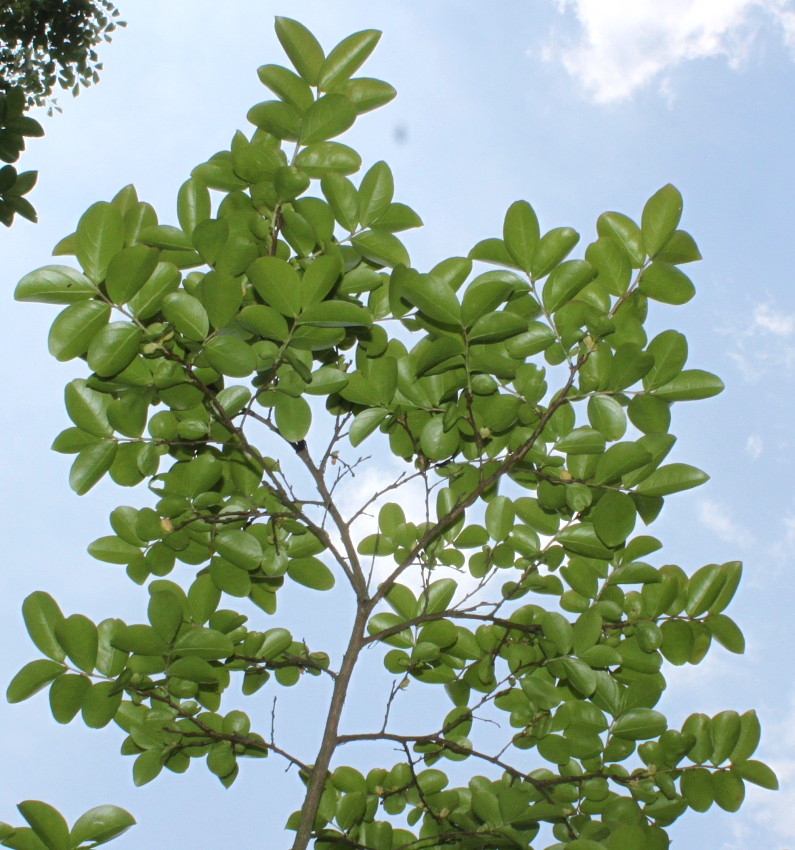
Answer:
(49, 42)
(528, 404)
(42, 42)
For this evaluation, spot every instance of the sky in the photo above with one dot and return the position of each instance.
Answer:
(578, 106)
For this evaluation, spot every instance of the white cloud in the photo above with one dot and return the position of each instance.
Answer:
(754, 446)
(768, 320)
(717, 517)
(757, 342)
(624, 45)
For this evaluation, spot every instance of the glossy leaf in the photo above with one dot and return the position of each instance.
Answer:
(343, 61)
(32, 678)
(75, 327)
(302, 47)
(55, 285)
(100, 824)
(48, 824)
(100, 234)
(660, 218)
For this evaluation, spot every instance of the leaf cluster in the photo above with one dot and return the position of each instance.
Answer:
(44, 43)
(527, 401)
(14, 127)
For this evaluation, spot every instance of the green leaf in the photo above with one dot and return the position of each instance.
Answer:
(323, 158)
(660, 218)
(90, 465)
(74, 328)
(293, 417)
(625, 233)
(696, 786)
(279, 119)
(187, 314)
(690, 385)
(726, 632)
(494, 327)
(581, 441)
(335, 314)
(613, 518)
(301, 47)
(278, 283)
(565, 282)
(750, 733)
(666, 283)
(557, 629)
(100, 824)
(375, 193)
(536, 337)
(398, 217)
(433, 297)
(327, 117)
(435, 442)
(607, 416)
(100, 234)
(344, 60)
(756, 772)
(366, 94)
(87, 408)
(167, 237)
(193, 205)
(239, 548)
(101, 701)
(520, 233)
(114, 348)
(680, 248)
(640, 723)
(319, 279)
(500, 517)
(230, 355)
(342, 198)
(618, 460)
(66, 696)
(164, 279)
(669, 350)
(42, 614)
(725, 734)
(32, 678)
(129, 270)
(381, 248)
(581, 539)
(729, 790)
(286, 85)
(310, 572)
(209, 644)
(147, 767)
(552, 248)
(703, 589)
(48, 824)
(672, 478)
(437, 596)
(221, 295)
(55, 285)
(78, 636)
(365, 423)
(113, 550)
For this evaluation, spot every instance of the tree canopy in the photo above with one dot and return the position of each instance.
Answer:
(49, 43)
(237, 364)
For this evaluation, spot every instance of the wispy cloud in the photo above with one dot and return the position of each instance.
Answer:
(754, 446)
(717, 517)
(757, 342)
(623, 45)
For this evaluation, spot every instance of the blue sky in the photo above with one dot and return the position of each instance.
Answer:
(578, 107)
